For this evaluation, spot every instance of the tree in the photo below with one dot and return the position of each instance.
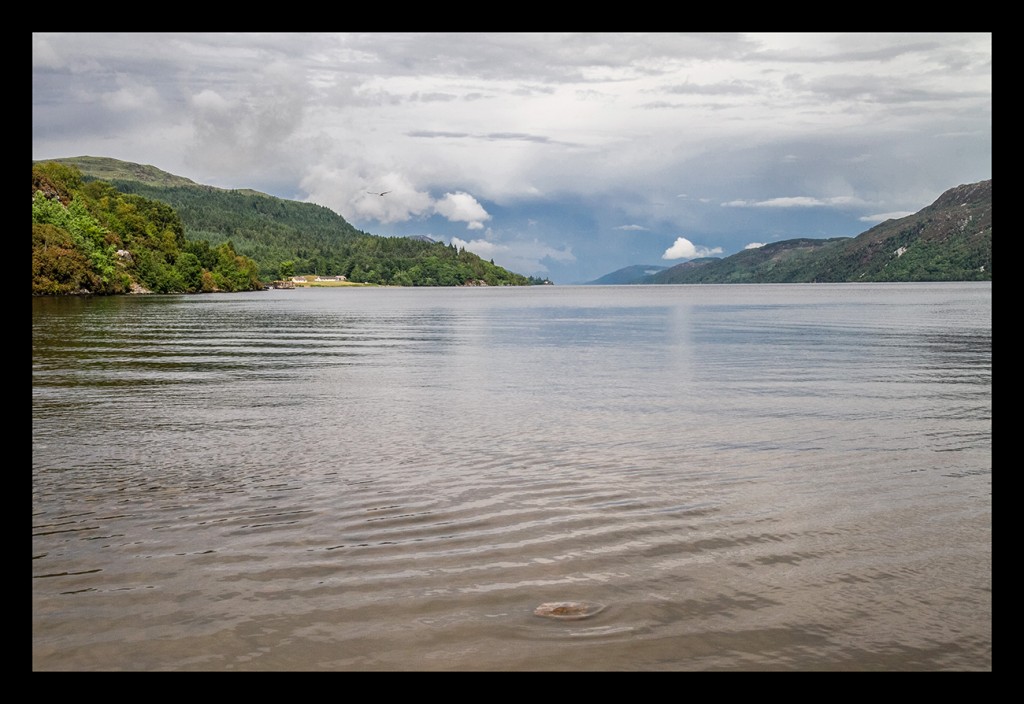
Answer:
(190, 271)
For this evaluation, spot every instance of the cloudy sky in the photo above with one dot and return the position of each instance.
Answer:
(559, 155)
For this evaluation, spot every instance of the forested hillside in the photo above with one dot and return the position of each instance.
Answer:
(91, 238)
(287, 237)
(949, 240)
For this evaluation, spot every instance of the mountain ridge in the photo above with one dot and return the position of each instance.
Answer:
(949, 240)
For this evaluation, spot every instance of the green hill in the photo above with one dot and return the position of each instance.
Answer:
(105, 169)
(950, 240)
(285, 237)
(88, 238)
(627, 275)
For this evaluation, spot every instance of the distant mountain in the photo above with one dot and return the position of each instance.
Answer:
(949, 240)
(785, 261)
(628, 275)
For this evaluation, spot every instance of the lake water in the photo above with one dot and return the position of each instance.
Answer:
(737, 477)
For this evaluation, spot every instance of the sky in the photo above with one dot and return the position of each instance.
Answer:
(559, 155)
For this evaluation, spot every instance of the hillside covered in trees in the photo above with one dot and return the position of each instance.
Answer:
(285, 238)
(949, 240)
(91, 238)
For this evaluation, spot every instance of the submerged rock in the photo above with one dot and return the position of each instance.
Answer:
(568, 610)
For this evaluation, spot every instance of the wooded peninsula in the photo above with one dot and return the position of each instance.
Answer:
(149, 231)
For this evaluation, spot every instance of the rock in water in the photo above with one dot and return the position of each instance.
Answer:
(568, 610)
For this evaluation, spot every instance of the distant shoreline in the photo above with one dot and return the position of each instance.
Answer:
(328, 284)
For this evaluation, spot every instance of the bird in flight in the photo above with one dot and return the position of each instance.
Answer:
(374, 193)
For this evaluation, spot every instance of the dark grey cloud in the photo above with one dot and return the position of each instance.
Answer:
(492, 136)
(840, 51)
(437, 133)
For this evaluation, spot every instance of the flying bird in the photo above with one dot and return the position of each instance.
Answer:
(374, 193)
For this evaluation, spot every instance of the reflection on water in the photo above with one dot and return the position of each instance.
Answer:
(744, 477)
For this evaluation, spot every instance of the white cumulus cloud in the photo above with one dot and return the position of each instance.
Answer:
(462, 207)
(685, 249)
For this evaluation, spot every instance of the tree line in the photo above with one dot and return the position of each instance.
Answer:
(287, 237)
(100, 237)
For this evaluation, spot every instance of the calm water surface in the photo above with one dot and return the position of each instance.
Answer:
(784, 477)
